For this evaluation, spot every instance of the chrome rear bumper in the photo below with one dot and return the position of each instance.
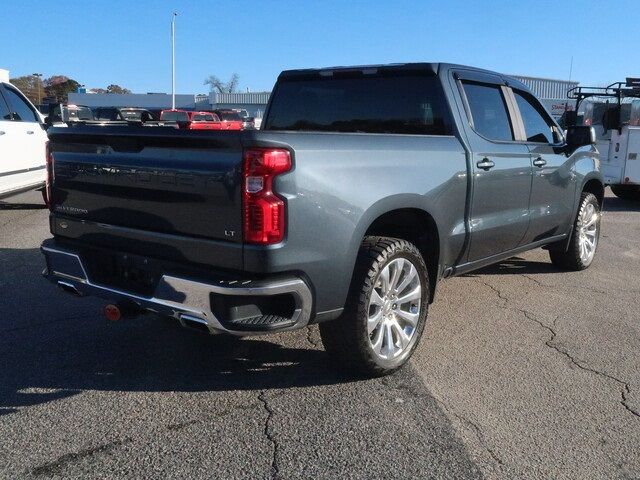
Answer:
(187, 300)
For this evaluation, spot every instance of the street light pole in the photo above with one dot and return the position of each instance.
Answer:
(38, 76)
(173, 61)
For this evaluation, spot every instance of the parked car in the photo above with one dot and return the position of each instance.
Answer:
(248, 123)
(230, 119)
(188, 120)
(128, 114)
(60, 113)
(179, 117)
(22, 142)
(205, 121)
(365, 187)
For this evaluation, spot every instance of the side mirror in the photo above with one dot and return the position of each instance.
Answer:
(580, 136)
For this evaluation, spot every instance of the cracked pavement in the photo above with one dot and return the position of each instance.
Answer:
(523, 372)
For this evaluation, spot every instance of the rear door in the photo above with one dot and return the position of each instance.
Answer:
(499, 215)
(553, 183)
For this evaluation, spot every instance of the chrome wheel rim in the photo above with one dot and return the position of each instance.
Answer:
(588, 233)
(394, 308)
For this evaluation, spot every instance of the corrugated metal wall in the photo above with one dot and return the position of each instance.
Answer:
(260, 98)
(547, 88)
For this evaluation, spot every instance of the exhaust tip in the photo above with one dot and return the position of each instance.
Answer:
(112, 312)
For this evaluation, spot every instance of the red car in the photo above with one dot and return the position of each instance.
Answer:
(231, 119)
(187, 120)
(205, 121)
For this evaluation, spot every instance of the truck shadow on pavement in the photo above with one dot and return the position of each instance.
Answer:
(22, 206)
(614, 204)
(54, 347)
(518, 266)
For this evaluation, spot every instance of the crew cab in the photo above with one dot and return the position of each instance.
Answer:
(22, 142)
(364, 188)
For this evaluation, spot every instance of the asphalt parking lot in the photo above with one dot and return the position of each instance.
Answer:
(525, 372)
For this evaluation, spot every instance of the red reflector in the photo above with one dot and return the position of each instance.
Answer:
(112, 312)
(264, 211)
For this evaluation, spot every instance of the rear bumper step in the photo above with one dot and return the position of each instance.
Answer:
(237, 307)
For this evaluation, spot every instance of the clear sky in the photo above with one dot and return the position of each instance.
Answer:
(127, 42)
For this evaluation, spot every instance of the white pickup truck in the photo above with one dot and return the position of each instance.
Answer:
(22, 142)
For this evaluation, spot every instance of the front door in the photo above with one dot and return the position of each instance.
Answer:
(499, 215)
(554, 184)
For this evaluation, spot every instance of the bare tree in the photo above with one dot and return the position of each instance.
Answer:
(217, 85)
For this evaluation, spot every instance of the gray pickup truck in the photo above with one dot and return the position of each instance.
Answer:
(363, 188)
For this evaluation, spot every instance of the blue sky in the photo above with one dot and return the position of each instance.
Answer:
(127, 41)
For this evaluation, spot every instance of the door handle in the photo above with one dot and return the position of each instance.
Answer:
(539, 162)
(1, 133)
(29, 132)
(486, 164)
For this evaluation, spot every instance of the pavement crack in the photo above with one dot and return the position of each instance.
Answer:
(497, 291)
(275, 467)
(310, 338)
(625, 388)
(482, 440)
(57, 466)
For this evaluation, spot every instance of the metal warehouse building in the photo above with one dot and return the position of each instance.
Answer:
(552, 93)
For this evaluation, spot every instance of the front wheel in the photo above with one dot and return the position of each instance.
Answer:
(584, 237)
(386, 310)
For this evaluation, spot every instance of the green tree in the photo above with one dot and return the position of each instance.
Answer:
(59, 87)
(117, 89)
(217, 85)
(31, 86)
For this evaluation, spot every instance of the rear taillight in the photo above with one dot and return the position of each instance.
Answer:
(264, 211)
(49, 176)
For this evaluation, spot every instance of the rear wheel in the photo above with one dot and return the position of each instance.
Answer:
(584, 237)
(626, 192)
(386, 310)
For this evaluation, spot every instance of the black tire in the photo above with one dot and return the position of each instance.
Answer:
(626, 192)
(571, 258)
(346, 339)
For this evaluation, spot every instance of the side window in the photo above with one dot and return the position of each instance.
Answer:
(21, 110)
(5, 114)
(489, 111)
(537, 126)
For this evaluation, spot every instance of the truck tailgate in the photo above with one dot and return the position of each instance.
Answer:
(165, 181)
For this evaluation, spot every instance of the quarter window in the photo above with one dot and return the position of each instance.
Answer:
(537, 126)
(20, 109)
(488, 111)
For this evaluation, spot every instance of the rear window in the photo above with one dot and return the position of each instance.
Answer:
(230, 116)
(132, 114)
(398, 103)
(175, 116)
(203, 118)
